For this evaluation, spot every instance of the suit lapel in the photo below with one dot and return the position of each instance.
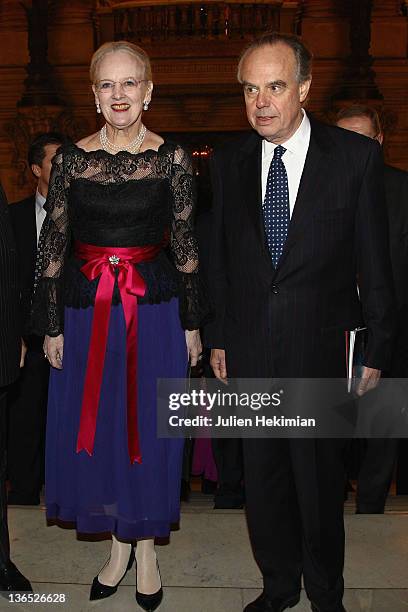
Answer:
(250, 173)
(312, 185)
(32, 238)
(311, 189)
(33, 228)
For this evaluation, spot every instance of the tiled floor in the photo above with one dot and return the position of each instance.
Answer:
(208, 567)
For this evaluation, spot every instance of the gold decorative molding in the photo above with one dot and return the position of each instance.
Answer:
(30, 121)
(197, 109)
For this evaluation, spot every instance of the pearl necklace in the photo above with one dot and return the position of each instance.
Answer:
(132, 147)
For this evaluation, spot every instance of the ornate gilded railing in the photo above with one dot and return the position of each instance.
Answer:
(211, 20)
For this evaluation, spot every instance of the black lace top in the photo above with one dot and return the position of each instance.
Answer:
(118, 200)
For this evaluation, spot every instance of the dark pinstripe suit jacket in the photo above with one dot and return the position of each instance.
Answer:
(23, 223)
(10, 342)
(290, 321)
(396, 192)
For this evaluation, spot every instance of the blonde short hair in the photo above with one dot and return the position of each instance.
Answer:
(120, 45)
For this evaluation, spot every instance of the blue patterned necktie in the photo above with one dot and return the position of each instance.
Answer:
(276, 206)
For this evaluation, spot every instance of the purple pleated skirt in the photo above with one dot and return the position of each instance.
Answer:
(104, 492)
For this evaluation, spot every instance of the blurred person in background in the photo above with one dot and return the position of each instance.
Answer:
(378, 456)
(11, 359)
(27, 397)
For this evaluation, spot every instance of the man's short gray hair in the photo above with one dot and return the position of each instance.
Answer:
(303, 55)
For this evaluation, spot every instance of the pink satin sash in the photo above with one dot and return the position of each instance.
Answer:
(103, 262)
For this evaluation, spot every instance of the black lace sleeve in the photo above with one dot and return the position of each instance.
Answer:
(194, 307)
(47, 309)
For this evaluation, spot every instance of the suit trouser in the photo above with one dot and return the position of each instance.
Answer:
(402, 467)
(375, 475)
(294, 503)
(399, 369)
(378, 456)
(27, 405)
(228, 459)
(4, 535)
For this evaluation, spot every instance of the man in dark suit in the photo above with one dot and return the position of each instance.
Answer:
(298, 212)
(378, 455)
(27, 398)
(10, 361)
(227, 452)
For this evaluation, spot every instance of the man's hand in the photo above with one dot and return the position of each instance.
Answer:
(369, 380)
(54, 350)
(194, 346)
(23, 353)
(218, 364)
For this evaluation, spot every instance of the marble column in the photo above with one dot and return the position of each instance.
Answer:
(389, 8)
(43, 105)
(71, 37)
(325, 28)
(71, 32)
(321, 8)
(40, 87)
(359, 77)
(289, 15)
(389, 32)
(13, 32)
(13, 59)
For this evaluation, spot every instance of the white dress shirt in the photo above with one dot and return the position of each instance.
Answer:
(293, 159)
(40, 213)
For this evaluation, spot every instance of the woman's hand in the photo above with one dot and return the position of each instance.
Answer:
(54, 350)
(194, 346)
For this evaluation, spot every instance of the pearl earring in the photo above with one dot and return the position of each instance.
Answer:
(98, 108)
(145, 106)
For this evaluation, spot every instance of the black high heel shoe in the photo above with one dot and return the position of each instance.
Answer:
(101, 591)
(150, 602)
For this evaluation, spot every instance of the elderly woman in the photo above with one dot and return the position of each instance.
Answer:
(119, 284)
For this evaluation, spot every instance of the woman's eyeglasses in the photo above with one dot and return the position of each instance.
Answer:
(128, 85)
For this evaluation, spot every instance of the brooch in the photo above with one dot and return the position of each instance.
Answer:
(114, 260)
